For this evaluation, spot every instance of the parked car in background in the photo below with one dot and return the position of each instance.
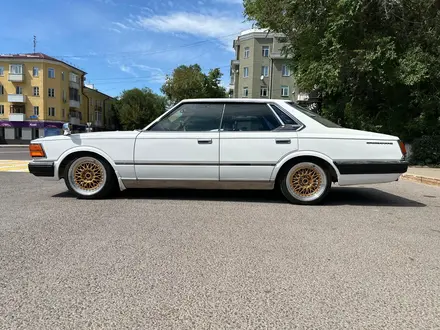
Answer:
(223, 144)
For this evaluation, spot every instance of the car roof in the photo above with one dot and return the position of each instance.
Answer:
(232, 100)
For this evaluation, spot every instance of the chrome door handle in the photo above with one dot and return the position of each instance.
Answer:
(278, 141)
(204, 141)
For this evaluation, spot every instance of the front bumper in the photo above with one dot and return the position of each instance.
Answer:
(45, 169)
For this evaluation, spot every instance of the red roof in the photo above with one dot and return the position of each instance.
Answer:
(39, 56)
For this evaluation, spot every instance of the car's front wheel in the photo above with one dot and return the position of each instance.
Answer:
(305, 183)
(89, 177)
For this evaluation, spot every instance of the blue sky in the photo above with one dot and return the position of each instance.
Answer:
(123, 44)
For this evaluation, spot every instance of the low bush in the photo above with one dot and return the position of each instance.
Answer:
(425, 151)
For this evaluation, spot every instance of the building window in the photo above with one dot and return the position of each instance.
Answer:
(35, 71)
(51, 112)
(247, 52)
(16, 69)
(245, 72)
(62, 76)
(51, 92)
(64, 96)
(64, 113)
(18, 90)
(36, 111)
(286, 71)
(263, 91)
(2, 109)
(2, 90)
(265, 51)
(2, 70)
(51, 73)
(265, 71)
(36, 91)
(284, 90)
(245, 92)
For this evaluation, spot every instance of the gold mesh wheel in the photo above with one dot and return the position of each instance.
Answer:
(306, 181)
(87, 175)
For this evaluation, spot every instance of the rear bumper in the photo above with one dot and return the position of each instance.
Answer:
(42, 169)
(371, 167)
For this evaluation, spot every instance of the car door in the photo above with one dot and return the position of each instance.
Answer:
(184, 145)
(252, 143)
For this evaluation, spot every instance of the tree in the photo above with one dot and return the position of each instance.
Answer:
(376, 63)
(139, 107)
(188, 82)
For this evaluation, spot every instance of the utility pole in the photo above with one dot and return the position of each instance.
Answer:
(35, 43)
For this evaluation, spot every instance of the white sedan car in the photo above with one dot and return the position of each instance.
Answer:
(223, 144)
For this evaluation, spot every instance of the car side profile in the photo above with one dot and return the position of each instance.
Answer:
(223, 144)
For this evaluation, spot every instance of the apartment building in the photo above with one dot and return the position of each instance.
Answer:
(98, 108)
(259, 70)
(38, 93)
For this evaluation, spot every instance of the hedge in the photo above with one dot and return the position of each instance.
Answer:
(425, 151)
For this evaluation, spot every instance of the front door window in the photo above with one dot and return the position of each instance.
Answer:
(192, 117)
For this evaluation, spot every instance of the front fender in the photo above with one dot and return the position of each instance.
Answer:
(302, 153)
(95, 150)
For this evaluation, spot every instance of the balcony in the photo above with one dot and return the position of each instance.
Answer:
(17, 117)
(16, 77)
(74, 104)
(73, 84)
(16, 98)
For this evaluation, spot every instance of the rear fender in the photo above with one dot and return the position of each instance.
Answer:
(302, 153)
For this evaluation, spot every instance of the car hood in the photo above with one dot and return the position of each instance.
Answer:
(354, 133)
(91, 136)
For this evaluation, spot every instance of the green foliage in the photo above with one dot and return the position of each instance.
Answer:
(138, 107)
(376, 63)
(188, 82)
(426, 151)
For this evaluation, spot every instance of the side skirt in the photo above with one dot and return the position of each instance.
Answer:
(200, 184)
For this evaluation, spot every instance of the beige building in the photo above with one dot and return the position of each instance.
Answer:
(259, 70)
(38, 93)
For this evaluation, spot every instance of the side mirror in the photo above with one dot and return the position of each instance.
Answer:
(66, 129)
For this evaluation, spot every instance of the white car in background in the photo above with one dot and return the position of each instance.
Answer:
(223, 144)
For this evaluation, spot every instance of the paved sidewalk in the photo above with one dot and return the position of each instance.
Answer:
(425, 175)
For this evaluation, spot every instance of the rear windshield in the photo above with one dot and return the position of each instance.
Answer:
(315, 116)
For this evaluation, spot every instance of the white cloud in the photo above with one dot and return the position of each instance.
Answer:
(114, 30)
(207, 25)
(127, 69)
(157, 75)
(122, 26)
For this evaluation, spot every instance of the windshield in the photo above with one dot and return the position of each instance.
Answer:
(315, 116)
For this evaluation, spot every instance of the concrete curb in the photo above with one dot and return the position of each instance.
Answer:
(421, 179)
(14, 146)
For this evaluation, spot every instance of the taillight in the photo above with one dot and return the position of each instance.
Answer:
(402, 148)
(36, 150)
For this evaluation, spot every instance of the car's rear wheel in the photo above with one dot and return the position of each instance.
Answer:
(89, 177)
(306, 183)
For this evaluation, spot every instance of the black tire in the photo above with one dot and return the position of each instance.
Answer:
(305, 182)
(90, 177)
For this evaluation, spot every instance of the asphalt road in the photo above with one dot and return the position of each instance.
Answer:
(368, 259)
(14, 154)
